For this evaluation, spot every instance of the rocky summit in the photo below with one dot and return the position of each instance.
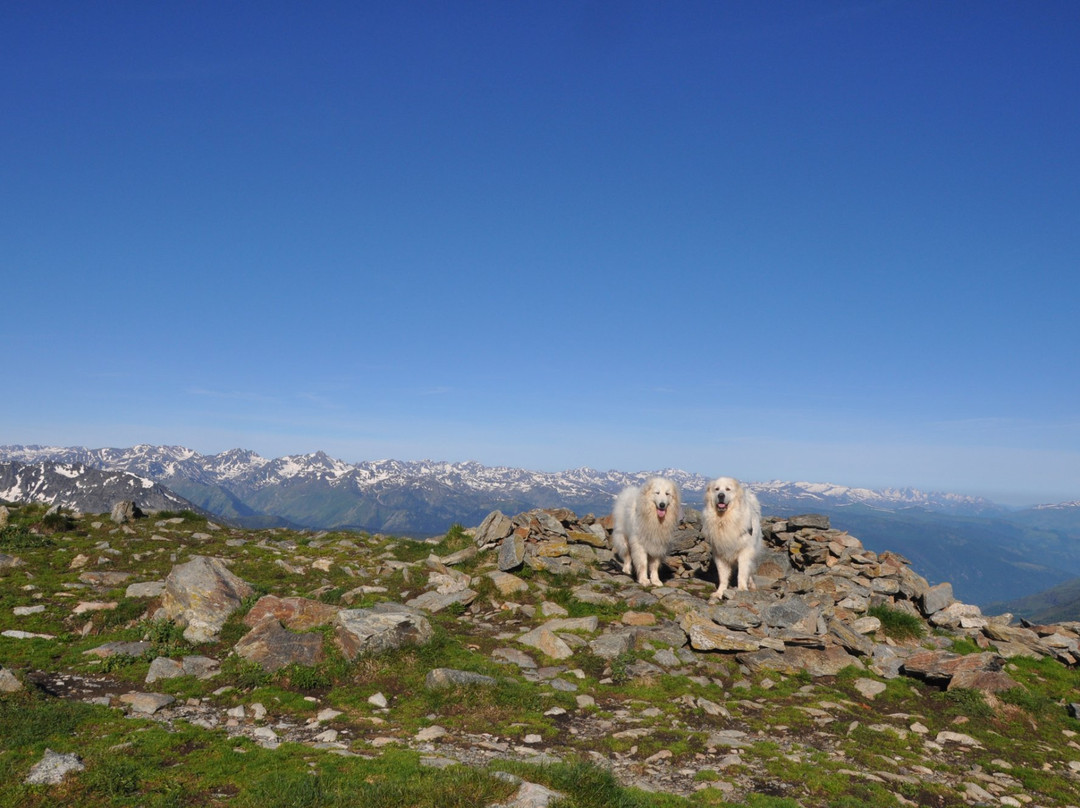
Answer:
(516, 651)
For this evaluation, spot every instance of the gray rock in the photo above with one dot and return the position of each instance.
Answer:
(816, 521)
(848, 637)
(148, 703)
(514, 656)
(870, 688)
(788, 612)
(493, 529)
(164, 668)
(109, 649)
(147, 589)
(817, 662)
(936, 598)
(531, 795)
(612, 644)
(705, 635)
(511, 553)
(123, 512)
(667, 633)
(201, 595)
(384, 627)
(440, 678)
(10, 561)
(274, 647)
(104, 578)
(9, 682)
(733, 617)
(52, 768)
(433, 601)
(198, 666)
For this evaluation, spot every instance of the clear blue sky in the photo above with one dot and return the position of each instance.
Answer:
(828, 241)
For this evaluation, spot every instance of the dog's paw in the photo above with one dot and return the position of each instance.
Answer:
(656, 582)
(716, 597)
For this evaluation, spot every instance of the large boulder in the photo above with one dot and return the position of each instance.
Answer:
(200, 595)
(123, 512)
(381, 628)
(299, 614)
(273, 646)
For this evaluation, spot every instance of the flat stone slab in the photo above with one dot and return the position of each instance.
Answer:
(52, 769)
(440, 678)
(148, 703)
(146, 589)
(381, 628)
(109, 649)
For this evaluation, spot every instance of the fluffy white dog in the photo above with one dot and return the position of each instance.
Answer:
(645, 521)
(732, 524)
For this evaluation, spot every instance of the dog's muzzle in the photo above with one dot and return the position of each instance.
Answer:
(721, 505)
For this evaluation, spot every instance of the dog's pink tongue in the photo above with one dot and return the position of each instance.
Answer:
(661, 513)
(721, 506)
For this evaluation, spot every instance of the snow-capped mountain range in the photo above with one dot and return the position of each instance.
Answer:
(988, 552)
(316, 490)
(82, 487)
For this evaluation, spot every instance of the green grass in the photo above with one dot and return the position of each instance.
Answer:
(136, 762)
(897, 624)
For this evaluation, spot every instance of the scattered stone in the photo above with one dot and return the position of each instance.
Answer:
(495, 527)
(9, 682)
(297, 614)
(198, 666)
(945, 737)
(147, 589)
(547, 642)
(123, 512)
(434, 601)
(506, 583)
(431, 733)
(104, 578)
(440, 678)
(134, 649)
(200, 595)
(274, 647)
(16, 634)
(531, 795)
(381, 628)
(870, 688)
(53, 768)
(148, 703)
(26, 611)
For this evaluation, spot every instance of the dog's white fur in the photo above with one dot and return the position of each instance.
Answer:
(732, 525)
(645, 521)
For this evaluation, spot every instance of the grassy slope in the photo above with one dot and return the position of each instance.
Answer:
(805, 736)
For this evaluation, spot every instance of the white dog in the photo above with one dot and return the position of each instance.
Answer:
(645, 521)
(732, 524)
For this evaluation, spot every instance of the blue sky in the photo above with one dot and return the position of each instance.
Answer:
(827, 241)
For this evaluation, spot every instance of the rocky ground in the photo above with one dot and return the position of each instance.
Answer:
(841, 667)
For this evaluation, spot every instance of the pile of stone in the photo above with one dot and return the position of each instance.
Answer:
(810, 610)
(815, 587)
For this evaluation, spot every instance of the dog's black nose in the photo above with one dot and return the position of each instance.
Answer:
(662, 506)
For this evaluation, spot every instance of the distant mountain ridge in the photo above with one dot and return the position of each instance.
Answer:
(245, 474)
(987, 551)
(83, 488)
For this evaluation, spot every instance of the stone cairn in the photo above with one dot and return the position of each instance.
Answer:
(810, 611)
